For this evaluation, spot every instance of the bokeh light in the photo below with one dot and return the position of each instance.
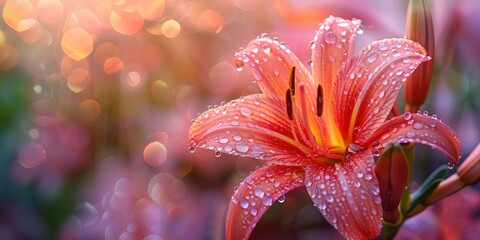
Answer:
(151, 9)
(31, 155)
(171, 28)
(155, 154)
(9, 57)
(19, 14)
(125, 22)
(50, 11)
(90, 109)
(77, 43)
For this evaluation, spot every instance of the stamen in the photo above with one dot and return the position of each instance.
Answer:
(288, 100)
(319, 100)
(292, 80)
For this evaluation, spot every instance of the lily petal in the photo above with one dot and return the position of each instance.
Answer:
(417, 128)
(347, 194)
(253, 126)
(270, 62)
(332, 46)
(369, 85)
(256, 194)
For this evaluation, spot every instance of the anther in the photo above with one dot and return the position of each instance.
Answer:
(288, 100)
(319, 100)
(292, 80)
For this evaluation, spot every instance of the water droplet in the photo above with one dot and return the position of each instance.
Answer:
(259, 192)
(451, 165)
(244, 204)
(383, 47)
(249, 180)
(357, 184)
(407, 116)
(245, 111)
(242, 147)
(359, 175)
(322, 205)
(267, 201)
(399, 72)
(377, 200)
(368, 176)
(266, 49)
(381, 94)
(312, 45)
(329, 198)
(376, 110)
(410, 134)
(372, 57)
(253, 212)
(269, 173)
(237, 137)
(332, 58)
(360, 30)
(223, 140)
(281, 199)
(418, 125)
(376, 152)
(218, 153)
(330, 38)
(308, 183)
(191, 149)
(352, 148)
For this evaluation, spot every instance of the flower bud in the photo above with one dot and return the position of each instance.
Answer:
(392, 172)
(419, 28)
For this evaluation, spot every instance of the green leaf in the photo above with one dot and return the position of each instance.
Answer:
(427, 187)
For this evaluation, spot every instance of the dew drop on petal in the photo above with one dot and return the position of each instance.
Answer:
(249, 180)
(381, 94)
(281, 199)
(382, 47)
(372, 57)
(259, 192)
(330, 38)
(329, 198)
(245, 111)
(410, 134)
(237, 137)
(407, 116)
(242, 147)
(308, 183)
(253, 211)
(267, 201)
(191, 149)
(368, 176)
(451, 165)
(418, 125)
(322, 205)
(244, 204)
(218, 153)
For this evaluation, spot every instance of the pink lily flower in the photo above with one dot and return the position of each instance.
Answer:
(320, 130)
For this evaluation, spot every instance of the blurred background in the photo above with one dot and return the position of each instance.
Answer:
(96, 99)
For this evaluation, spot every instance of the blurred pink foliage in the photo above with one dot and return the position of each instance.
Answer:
(96, 98)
